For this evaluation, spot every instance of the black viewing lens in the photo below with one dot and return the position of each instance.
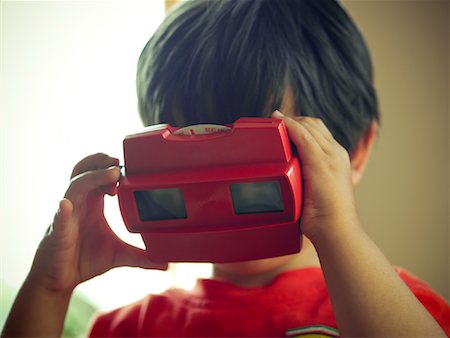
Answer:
(160, 204)
(257, 197)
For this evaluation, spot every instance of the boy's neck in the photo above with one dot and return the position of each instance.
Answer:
(263, 272)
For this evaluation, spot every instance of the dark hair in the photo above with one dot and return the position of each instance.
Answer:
(214, 61)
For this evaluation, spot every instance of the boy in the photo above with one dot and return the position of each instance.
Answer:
(215, 61)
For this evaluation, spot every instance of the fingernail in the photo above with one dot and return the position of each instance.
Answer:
(278, 114)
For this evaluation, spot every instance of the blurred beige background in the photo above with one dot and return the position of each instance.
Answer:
(404, 196)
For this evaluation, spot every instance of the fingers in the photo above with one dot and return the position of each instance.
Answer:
(102, 180)
(299, 134)
(315, 143)
(310, 143)
(94, 162)
(316, 127)
(307, 126)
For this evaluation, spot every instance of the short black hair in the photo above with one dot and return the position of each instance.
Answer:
(213, 61)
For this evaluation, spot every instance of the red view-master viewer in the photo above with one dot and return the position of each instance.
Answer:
(213, 193)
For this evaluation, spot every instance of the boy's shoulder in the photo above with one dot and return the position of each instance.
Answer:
(436, 305)
(420, 288)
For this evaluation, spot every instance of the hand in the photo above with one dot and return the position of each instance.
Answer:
(328, 191)
(80, 244)
(360, 280)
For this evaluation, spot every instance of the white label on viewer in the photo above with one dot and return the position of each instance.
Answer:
(202, 129)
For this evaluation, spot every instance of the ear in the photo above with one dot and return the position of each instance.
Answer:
(360, 154)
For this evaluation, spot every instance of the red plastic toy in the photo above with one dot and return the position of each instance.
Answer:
(213, 193)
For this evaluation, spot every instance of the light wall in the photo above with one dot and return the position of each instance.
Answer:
(404, 196)
(67, 91)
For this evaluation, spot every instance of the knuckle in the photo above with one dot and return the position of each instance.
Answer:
(342, 153)
(89, 158)
(319, 123)
(306, 137)
(96, 161)
(306, 119)
(100, 155)
(322, 124)
(312, 119)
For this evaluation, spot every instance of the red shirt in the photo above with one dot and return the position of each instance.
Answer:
(295, 304)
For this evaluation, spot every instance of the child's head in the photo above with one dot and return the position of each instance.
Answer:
(214, 61)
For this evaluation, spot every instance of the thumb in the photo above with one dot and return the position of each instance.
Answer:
(63, 228)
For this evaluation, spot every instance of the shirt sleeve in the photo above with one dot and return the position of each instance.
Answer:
(436, 305)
